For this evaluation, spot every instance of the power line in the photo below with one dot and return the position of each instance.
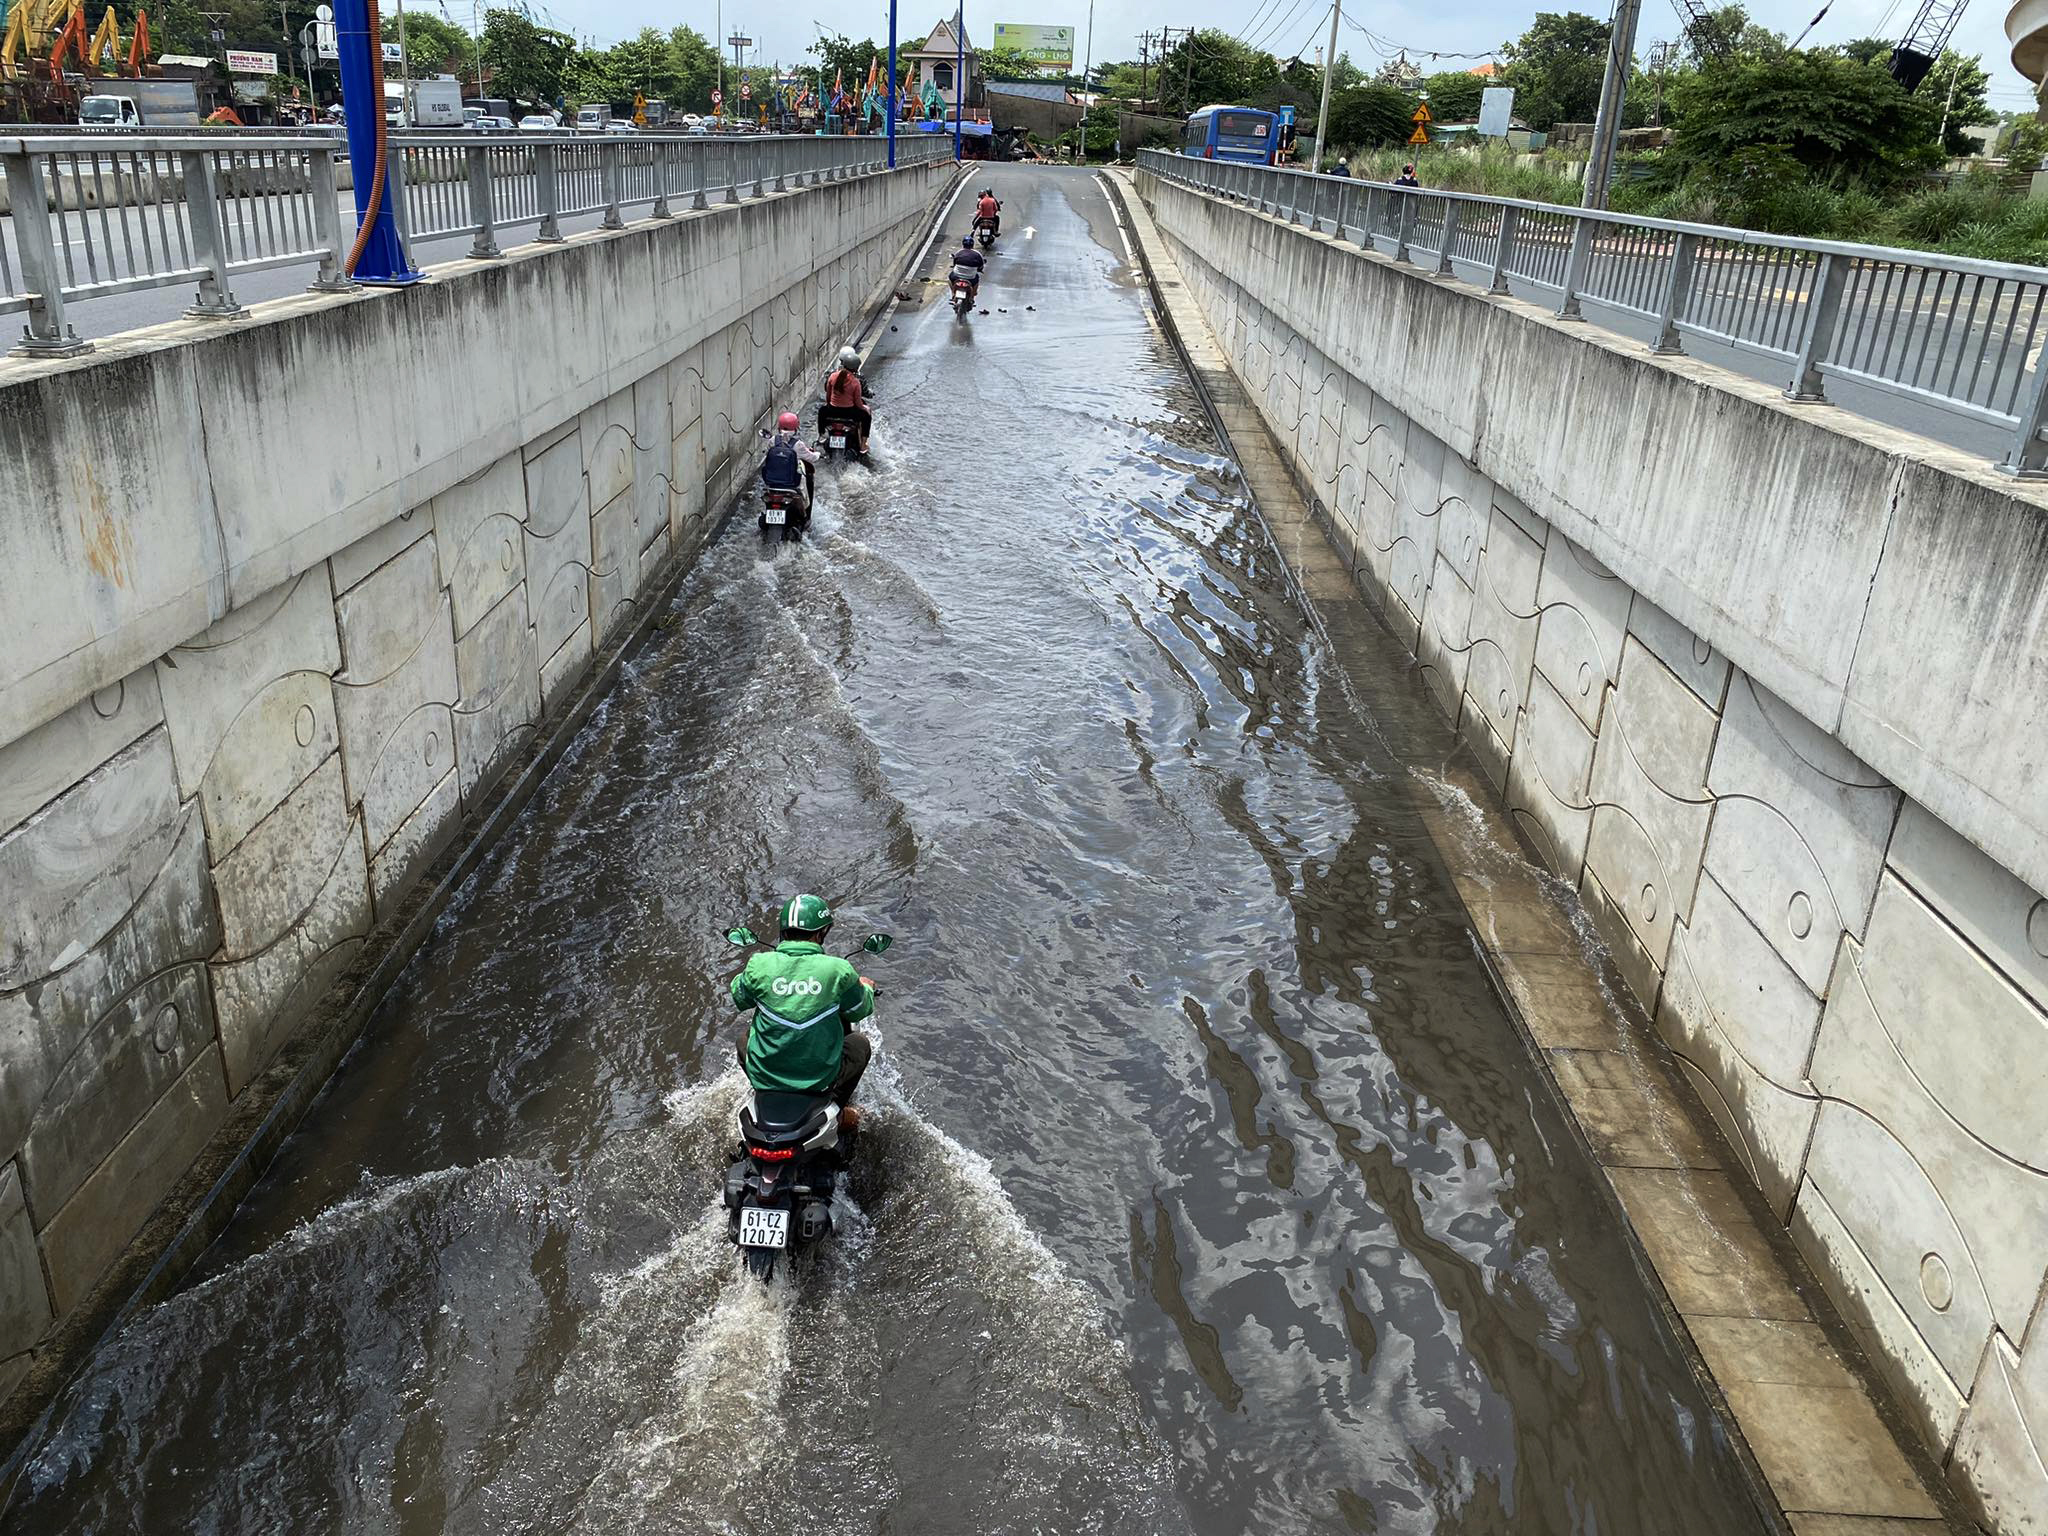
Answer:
(1263, 4)
(1285, 26)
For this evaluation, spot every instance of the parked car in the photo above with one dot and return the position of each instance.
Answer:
(619, 125)
(699, 127)
(492, 125)
(691, 122)
(538, 122)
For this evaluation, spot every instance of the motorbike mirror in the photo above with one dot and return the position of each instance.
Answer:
(877, 943)
(743, 937)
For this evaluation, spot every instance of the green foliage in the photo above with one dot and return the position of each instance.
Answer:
(2024, 144)
(433, 46)
(843, 57)
(1728, 29)
(1489, 171)
(527, 62)
(1960, 87)
(1454, 95)
(1212, 66)
(1836, 118)
(1369, 116)
(1007, 64)
(1556, 67)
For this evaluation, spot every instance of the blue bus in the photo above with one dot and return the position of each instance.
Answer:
(1232, 133)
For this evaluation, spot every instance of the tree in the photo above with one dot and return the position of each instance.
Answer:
(1454, 95)
(1370, 117)
(1556, 67)
(842, 57)
(1212, 66)
(433, 46)
(1840, 120)
(695, 65)
(1007, 64)
(1729, 31)
(1960, 87)
(527, 62)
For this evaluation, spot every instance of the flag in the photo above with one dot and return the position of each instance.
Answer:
(839, 83)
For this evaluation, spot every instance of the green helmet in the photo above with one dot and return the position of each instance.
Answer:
(806, 914)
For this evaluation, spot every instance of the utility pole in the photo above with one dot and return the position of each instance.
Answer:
(1144, 65)
(404, 70)
(291, 70)
(1087, 63)
(1621, 45)
(1953, 76)
(1329, 69)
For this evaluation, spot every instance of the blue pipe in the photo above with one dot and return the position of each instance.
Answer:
(892, 85)
(959, 77)
(384, 259)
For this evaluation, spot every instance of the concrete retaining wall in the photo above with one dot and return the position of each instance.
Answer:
(1766, 686)
(278, 603)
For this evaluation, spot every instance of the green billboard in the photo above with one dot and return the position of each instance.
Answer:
(1048, 47)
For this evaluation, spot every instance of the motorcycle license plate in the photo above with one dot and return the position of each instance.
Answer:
(836, 440)
(775, 517)
(763, 1229)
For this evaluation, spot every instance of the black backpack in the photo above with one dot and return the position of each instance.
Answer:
(780, 468)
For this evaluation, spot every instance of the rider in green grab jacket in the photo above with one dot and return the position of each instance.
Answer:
(805, 1004)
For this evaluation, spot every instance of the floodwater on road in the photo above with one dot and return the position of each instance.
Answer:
(1208, 1188)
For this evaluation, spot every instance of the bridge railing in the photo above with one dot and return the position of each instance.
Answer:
(107, 213)
(1947, 331)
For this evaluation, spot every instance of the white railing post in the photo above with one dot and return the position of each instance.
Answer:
(334, 235)
(1504, 248)
(1822, 308)
(547, 193)
(46, 334)
(1677, 294)
(484, 245)
(202, 209)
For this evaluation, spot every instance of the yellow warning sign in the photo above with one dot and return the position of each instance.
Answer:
(1419, 136)
(639, 110)
(1422, 113)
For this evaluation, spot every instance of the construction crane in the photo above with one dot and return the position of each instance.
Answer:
(1933, 25)
(1700, 31)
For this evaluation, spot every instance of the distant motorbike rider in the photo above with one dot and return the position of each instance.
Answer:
(846, 398)
(805, 1002)
(789, 460)
(967, 264)
(989, 211)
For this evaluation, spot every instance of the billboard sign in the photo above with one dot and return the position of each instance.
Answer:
(241, 62)
(1047, 47)
(1496, 106)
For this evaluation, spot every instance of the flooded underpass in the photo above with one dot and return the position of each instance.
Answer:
(1208, 1188)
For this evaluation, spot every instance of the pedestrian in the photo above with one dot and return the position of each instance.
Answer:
(1407, 176)
(1342, 170)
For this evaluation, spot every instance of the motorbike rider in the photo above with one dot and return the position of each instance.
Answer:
(805, 1002)
(846, 396)
(967, 263)
(789, 460)
(989, 210)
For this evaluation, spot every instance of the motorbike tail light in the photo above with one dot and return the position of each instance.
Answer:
(771, 1154)
(1209, 152)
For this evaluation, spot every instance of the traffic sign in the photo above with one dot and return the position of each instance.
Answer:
(1422, 113)
(746, 90)
(1419, 136)
(717, 98)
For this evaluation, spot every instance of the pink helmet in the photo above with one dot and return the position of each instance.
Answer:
(787, 421)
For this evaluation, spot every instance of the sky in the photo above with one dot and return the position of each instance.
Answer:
(1284, 27)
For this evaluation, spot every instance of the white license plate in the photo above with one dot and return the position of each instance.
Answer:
(836, 440)
(775, 517)
(763, 1229)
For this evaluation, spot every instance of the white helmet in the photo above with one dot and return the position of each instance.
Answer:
(848, 358)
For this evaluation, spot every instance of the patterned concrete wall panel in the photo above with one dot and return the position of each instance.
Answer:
(24, 1299)
(1504, 622)
(351, 565)
(654, 557)
(172, 922)
(89, 1231)
(38, 767)
(686, 482)
(1650, 806)
(651, 447)
(1512, 508)
(606, 432)
(1997, 1206)
(1467, 507)
(500, 677)
(1329, 443)
(1890, 1337)
(614, 562)
(1548, 778)
(1692, 661)
(1491, 749)
(1746, 1023)
(135, 1052)
(271, 880)
(262, 1000)
(2002, 1451)
(415, 844)
(557, 543)
(396, 692)
(1386, 444)
(1443, 645)
(1585, 616)
(1977, 1043)
(685, 390)
(1992, 909)
(1839, 812)
(478, 532)
(560, 673)
(75, 869)
(1769, 870)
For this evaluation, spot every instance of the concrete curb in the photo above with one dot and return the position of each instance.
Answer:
(203, 1203)
(1690, 1227)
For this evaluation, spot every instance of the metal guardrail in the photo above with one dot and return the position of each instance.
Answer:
(1951, 332)
(97, 214)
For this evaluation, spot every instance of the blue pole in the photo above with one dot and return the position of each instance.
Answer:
(891, 101)
(383, 259)
(959, 77)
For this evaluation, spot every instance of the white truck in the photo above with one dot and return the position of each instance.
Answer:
(135, 104)
(437, 103)
(593, 119)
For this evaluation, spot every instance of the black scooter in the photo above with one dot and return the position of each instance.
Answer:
(793, 1155)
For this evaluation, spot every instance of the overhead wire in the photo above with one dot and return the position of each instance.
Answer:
(1283, 27)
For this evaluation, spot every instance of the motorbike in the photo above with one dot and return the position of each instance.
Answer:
(985, 232)
(838, 431)
(794, 1154)
(784, 512)
(963, 295)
